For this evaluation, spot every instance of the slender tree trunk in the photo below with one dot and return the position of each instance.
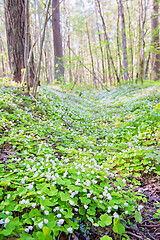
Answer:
(90, 51)
(147, 65)
(124, 41)
(2, 59)
(155, 40)
(37, 75)
(118, 43)
(26, 49)
(58, 52)
(131, 44)
(107, 40)
(69, 49)
(100, 45)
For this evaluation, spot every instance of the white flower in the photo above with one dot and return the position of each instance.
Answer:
(26, 230)
(42, 208)
(109, 196)
(126, 204)
(23, 201)
(59, 215)
(30, 228)
(84, 190)
(140, 207)
(35, 175)
(30, 186)
(88, 195)
(116, 215)
(69, 230)
(40, 225)
(7, 220)
(94, 198)
(109, 209)
(119, 188)
(85, 206)
(124, 180)
(61, 210)
(7, 212)
(55, 209)
(34, 205)
(46, 213)
(71, 203)
(43, 197)
(8, 196)
(60, 222)
(39, 192)
(27, 202)
(1, 221)
(115, 207)
(126, 212)
(45, 221)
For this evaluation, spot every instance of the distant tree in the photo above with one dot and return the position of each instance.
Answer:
(155, 40)
(58, 52)
(124, 40)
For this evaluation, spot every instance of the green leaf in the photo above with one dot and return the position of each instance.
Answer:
(106, 238)
(46, 231)
(118, 227)
(138, 217)
(106, 219)
(65, 196)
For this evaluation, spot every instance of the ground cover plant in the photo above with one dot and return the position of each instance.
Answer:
(80, 166)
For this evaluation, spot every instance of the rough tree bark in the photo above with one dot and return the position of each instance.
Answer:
(15, 28)
(58, 52)
(155, 40)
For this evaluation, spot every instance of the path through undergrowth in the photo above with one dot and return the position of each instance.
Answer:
(80, 167)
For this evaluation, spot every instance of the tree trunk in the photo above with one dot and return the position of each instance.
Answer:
(15, 28)
(26, 50)
(109, 55)
(58, 53)
(118, 43)
(90, 51)
(100, 45)
(124, 41)
(131, 44)
(155, 40)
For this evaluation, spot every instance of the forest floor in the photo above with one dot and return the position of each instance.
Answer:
(80, 165)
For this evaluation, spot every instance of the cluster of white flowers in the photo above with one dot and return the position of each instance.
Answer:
(60, 222)
(25, 201)
(7, 220)
(30, 228)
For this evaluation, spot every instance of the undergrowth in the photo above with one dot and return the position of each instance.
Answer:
(76, 161)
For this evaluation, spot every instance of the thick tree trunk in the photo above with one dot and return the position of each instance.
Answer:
(58, 53)
(155, 40)
(15, 28)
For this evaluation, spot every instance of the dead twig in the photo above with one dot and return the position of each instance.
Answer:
(135, 235)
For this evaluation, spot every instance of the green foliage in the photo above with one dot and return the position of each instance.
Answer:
(75, 159)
